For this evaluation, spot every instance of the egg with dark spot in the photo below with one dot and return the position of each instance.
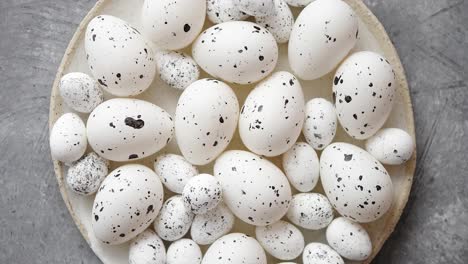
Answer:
(208, 227)
(184, 251)
(392, 146)
(279, 22)
(147, 248)
(318, 253)
(256, 7)
(282, 240)
(80, 92)
(301, 166)
(202, 193)
(68, 139)
(174, 219)
(311, 211)
(85, 175)
(235, 248)
(174, 171)
(220, 11)
(320, 123)
(177, 69)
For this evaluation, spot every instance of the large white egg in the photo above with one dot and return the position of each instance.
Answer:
(302, 167)
(320, 123)
(282, 240)
(235, 248)
(391, 146)
(147, 248)
(68, 138)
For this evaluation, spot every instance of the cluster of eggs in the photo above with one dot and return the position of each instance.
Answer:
(243, 184)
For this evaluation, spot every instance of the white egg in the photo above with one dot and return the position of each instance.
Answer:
(310, 211)
(68, 138)
(298, 3)
(320, 123)
(147, 248)
(254, 189)
(318, 253)
(174, 219)
(279, 22)
(80, 92)
(356, 184)
(86, 175)
(349, 239)
(202, 193)
(174, 171)
(173, 25)
(363, 92)
(206, 118)
(239, 52)
(287, 263)
(184, 251)
(322, 36)
(282, 240)
(301, 165)
(124, 129)
(127, 202)
(256, 7)
(272, 116)
(208, 227)
(118, 56)
(177, 69)
(220, 11)
(391, 146)
(235, 248)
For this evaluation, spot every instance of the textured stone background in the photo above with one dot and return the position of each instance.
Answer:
(430, 36)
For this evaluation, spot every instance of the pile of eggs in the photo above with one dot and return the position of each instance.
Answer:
(200, 209)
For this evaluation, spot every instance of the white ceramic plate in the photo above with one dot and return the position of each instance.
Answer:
(372, 36)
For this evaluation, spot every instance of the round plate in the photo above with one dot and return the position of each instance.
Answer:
(372, 37)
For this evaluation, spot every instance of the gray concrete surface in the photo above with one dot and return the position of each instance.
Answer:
(430, 35)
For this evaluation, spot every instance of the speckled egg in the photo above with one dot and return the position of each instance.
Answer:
(301, 166)
(310, 211)
(282, 240)
(298, 3)
(220, 11)
(68, 138)
(127, 202)
(254, 189)
(80, 92)
(357, 185)
(202, 193)
(256, 7)
(124, 129)
(320, 123)
(184, 251)
(177, 69)
(239, 52)
(206, 118)
(173, 24)
(363, 92)
(208, 227)
(174, 171)
(349, 239)
(318, 253)
(279, 22)
(324, 32)
(147, 248)
(119, 58)
(272, 116)
(233, 249)
(86, 175)
(174, 219)
(392, 146)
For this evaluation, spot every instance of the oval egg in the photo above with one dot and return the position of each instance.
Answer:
(177, 69)
(311, 211)
(208, 227)
(68, 138)
(279, 22)
(86, 175)
(256, 7)
(174, 171)
(318, 253)
(80, 92)
(174, 219)
(282, 240)
(202, 193)
(184, 251)
(392, 146)
(147, 248)
(301, 165)
(320, 123)
(235, 248)
(220, 11)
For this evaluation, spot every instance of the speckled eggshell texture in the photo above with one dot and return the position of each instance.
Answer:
(118, 56)
(282, 240)
(184, 251)
(208, 227)
(320, 123)
(147, 248)
(279, 22)
(86, 175)
(301, 165)
(272, 116)
(256, 7)
(311, 211)
(174, 171)
(220, 11)
(202, 193)
(233, 249)
(68, 138)
(239, 52)
(298, 3)
(392, 146)
(80, 92)
(177, 69)
(174, 219)
(357, 185)
(126, 203)
(318, 253)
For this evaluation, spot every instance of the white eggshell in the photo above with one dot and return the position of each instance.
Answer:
(124, 129)
(206, 118)
(256, 7)
(282, 240)
(239, 52)
(298, 3)
(287, 263)
(254, 189)
(349, 239)
(208, 227)
(363, 92)
(118, 56)
(86, 175)
(202, 193)
(68, 138)
(392, 146)
(235, 248)
(279, 22)
(318, 253)
(177, 69)
(310, 211)
(320, 123)
(357, 185)
(127, 202)
(301, 165)
(272, 116)
(174, 219)
(173, 25)
(220, 11)
(184, 251)
(147, 248)
(322, 36)
(174, 171)
(80, 92)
